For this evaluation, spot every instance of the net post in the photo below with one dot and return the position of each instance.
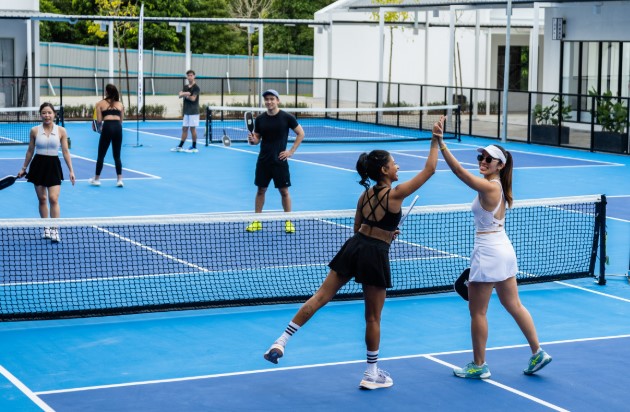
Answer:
(208, 126)
(602, 243)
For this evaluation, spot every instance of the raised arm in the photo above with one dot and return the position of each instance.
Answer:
(476, 183)
(407, 188)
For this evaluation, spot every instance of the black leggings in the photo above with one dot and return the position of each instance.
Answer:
(111, 134)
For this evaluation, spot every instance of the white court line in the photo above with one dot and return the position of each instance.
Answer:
(25, 390)
(317, 365)
(592, 291)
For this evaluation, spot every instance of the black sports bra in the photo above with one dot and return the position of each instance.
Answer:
(111, 112)
(390, 220)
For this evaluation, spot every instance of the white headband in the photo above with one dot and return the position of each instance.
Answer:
(493, 151)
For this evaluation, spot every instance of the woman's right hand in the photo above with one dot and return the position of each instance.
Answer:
(438, 129)
(21, 173)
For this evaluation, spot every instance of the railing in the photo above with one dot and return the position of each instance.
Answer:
(596, 123)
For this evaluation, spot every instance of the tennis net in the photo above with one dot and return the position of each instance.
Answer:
(135, 264)
(16, 123)
(341, 125)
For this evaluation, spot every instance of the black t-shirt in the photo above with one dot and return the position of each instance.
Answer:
(274, 132)
(191, 107)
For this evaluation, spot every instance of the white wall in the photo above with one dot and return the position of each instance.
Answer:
(19, 5)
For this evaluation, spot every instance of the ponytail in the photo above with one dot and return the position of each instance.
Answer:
(505, 175)
(369, 166)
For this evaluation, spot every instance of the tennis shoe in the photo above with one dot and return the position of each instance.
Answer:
(54, 235)
(380, 379)
(538, 361)
(94, 182)
(120, 183)
(275, 352)
(177, 149)
(472, 371)
(46, 234)
(191, 150)
(289, 227)
(255, 226)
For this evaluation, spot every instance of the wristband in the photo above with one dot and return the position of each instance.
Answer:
(443, 148)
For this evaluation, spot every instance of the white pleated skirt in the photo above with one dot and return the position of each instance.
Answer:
(493, 258)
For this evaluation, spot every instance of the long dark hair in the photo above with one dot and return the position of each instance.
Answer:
(369, 166)
(505, 175)
(111, 93)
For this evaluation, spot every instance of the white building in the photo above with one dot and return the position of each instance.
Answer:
(592, 49)
(16, 39)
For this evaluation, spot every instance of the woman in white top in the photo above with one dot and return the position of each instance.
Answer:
(493, 262)
(45, 168)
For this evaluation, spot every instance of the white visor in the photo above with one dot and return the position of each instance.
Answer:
(493, 151)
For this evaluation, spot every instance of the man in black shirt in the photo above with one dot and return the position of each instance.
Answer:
(271, 129)
(190, 94)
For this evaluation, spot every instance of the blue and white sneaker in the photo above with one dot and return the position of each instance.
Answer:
(191, 150)
(473, 371)
(275, 352)
(177, 149)
(538, 361)
(380, 379)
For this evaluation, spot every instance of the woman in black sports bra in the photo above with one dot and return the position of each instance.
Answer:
(365, 256)
(109, 116)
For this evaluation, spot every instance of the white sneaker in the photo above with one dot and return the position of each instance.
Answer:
(94, 182)
(191, 150)
(54, 235)
(177, 149)
(376, 381)
(46, 234)
(120, 183)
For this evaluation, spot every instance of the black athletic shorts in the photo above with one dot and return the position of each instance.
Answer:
(278, 171)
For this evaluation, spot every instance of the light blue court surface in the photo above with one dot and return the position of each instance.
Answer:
(211, 359)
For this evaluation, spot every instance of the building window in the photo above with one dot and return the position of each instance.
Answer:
(519, 68)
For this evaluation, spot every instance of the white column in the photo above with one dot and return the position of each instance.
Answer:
(533, 51)
(110, 34)
(381, 53)
(451, 56)
(188, 54)
(29, 63)
(261, 61)
(506, 71)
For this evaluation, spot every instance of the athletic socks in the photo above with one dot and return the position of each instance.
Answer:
(288, 332)
(372, 359)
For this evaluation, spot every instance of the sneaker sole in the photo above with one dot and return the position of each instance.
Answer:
(273, 354)
(466, 376)
(538, 367)
(373, 385)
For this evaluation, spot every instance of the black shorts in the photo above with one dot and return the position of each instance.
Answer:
(277, 170)
(45, 171)
(364, 258)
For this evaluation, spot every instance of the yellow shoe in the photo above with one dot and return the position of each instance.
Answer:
(255, 226)
(288, 227)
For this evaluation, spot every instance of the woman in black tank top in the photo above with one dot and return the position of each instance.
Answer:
(109, 116)
(365, 256)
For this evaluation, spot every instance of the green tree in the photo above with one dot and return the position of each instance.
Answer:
(292, 39)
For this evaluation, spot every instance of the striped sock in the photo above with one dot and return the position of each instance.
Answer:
(372, 359)
(288, 332)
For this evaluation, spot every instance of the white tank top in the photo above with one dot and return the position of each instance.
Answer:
(47, 145)
(485, 220)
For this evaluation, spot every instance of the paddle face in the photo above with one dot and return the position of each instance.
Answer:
(7, 181)
(227, 142)
(461, 284)
(249, 121)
